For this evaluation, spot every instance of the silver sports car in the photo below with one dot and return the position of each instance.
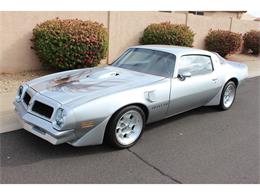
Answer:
(113, 103)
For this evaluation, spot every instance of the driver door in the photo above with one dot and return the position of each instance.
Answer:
(199, 86)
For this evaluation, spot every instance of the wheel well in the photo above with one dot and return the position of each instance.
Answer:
(235, 80)
(142, 106)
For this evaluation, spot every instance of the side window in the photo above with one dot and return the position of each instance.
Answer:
(195, 64)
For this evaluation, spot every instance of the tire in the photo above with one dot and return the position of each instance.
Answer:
(125, 127)
(225, 102)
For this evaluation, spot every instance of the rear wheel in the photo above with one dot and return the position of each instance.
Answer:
(228, 96)
(125, 127)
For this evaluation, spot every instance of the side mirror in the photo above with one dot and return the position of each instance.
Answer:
(184, 75)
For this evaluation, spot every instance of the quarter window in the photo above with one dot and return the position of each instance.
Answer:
(195, 64)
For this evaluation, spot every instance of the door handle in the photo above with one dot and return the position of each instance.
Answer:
(215, 79)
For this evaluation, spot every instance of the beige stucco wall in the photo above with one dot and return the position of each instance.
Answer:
(243, 26)
(223, 14)
(202, 24)
(125, 29)
(16, 32)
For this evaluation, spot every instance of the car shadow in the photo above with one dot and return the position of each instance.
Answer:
(21, 147)
(197, 111)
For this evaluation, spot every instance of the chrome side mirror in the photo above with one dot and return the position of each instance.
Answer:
(184, 75)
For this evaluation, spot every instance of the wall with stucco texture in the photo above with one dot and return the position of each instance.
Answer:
(16, 32)
(125, 29)
(202, 24)
(243, 26)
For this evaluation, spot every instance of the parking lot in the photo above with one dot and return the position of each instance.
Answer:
(200, 146)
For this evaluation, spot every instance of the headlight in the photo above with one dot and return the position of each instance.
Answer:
(19, 93)
(59, 117)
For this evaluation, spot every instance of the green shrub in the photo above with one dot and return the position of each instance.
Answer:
(223, 42)
(69, 44)
(252, 41)
(168, 34)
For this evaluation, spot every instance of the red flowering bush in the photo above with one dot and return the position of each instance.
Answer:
(69, 44)
(168, 34)
(252, 41)
(223, 42)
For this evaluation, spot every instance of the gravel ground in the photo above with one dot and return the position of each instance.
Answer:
(10, 82)
(243, 57)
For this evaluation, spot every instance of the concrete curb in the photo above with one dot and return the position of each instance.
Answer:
(8, 118)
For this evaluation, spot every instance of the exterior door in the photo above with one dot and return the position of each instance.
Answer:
(197, 83)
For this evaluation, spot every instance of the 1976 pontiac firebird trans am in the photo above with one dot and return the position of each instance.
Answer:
(113, 103)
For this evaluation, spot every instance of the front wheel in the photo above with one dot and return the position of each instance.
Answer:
(228, 95)
(125, 127)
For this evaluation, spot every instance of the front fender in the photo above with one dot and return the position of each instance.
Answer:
(100, 110)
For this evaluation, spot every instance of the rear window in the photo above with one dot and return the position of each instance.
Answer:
(221, 60)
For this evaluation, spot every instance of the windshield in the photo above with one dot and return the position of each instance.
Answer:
(147, 61)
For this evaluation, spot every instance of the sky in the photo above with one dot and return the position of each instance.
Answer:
(255, 13)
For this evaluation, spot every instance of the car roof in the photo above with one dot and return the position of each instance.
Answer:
(176, 50)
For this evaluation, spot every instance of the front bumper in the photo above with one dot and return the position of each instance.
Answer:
(41, 127)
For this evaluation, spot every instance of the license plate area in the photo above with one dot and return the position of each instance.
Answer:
(39, 130)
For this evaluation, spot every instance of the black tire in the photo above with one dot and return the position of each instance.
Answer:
(110, 134)
(222, 105)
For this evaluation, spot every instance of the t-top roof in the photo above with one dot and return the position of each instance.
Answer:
(176, 50)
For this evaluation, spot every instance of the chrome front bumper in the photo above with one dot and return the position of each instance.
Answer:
(41, 127)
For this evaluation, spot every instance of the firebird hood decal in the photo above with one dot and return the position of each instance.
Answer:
(81, 82)
(90, 83)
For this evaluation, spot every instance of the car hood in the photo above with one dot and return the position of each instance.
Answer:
(89, 83)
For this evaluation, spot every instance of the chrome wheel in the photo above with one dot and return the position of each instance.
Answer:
(129, 127)
(229, 96)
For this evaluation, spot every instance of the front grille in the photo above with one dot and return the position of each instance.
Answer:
(26, 98)
(42, 109)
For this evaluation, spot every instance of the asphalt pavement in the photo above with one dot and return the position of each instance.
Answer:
(200, 146)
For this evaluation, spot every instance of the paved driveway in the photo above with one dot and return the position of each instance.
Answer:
(200, 146)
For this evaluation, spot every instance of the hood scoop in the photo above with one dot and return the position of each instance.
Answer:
(101, 75)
